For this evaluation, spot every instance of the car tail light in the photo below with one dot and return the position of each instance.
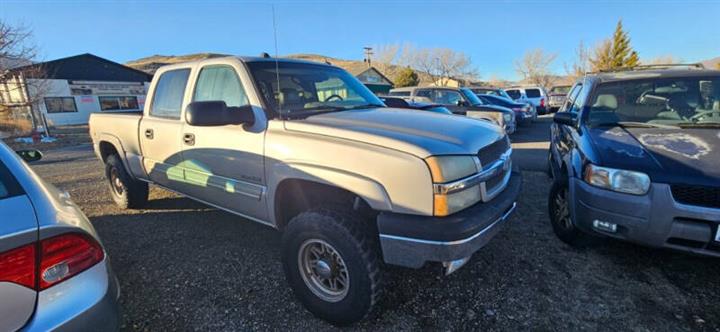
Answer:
(18, 266)
(64, 256)
(60, 258)
(542, 102)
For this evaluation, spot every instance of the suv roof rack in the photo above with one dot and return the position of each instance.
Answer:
(655, 66)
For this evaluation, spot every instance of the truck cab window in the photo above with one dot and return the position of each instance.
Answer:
(220, 83)
(169, 92)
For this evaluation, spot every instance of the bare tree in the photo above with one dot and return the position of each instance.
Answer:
(443, 65)
(663, 60)
(22, 84)
(534, 67)
(581, 64)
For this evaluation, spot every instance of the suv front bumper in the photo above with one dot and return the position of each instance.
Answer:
(654, 219)
(412, 240)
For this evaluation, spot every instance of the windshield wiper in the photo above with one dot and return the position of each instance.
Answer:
(699, 125)
(633, 124)
(323, 109)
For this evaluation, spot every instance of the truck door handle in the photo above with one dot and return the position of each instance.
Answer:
(149, 134)
(189, 139)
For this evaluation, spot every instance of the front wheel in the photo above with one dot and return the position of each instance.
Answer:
(561, 220)
(332, 263)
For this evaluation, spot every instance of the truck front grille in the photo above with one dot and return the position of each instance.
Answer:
(493, 151)
(487, 156)
(697, 195)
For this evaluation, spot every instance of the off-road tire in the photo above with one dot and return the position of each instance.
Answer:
(357, 244)
(566, 230)
(134, 193)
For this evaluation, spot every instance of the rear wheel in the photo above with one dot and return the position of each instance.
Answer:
(331, 261)
(126, 192)
(561, 219)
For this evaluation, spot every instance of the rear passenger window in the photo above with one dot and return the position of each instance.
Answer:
(532, 93)
(220, 83)
(169, 92)
(514, 94)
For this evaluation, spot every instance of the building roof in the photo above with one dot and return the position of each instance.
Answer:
(85, 67)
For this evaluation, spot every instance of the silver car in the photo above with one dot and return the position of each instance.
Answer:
(54, 273)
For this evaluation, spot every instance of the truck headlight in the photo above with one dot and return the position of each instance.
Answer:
(507, 117)
(451, 170)
(619, 180)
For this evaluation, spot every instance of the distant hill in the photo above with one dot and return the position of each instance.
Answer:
(152, 63)
(711, 63)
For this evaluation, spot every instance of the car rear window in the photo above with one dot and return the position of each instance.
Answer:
(9, 187)
(532, 93)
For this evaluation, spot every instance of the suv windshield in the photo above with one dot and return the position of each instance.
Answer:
(514, 94)
(676, 101)
(471, 97)
(308, 89)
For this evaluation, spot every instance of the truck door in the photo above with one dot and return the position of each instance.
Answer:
(224, 165)
(161, 129)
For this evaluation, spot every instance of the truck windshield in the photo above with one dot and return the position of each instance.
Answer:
(684, 102)
(307, 89)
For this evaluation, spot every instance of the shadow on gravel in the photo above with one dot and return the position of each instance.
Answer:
(175, 203)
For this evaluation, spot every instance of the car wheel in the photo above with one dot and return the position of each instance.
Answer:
(126, 192)
(332, 263)
(561, 220)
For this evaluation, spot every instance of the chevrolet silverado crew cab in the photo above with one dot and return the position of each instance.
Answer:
(307, 149)
(635, 155)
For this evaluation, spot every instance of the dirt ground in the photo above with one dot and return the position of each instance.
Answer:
(184, 266)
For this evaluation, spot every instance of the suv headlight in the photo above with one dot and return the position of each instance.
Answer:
(452, 170)
(619, 180)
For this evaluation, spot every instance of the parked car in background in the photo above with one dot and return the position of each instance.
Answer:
(533, 95)
(54, 272)
(462, 101)
(484, 90)
(557, 96)
(634, 156)
(306, 148)
(397, 102)
(524, 112)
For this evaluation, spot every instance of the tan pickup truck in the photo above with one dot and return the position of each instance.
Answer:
(307, 149)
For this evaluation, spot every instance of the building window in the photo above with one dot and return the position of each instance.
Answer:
(117, 103)
(60, 104)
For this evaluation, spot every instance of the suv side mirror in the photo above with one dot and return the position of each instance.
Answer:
(216, 113)
(460, 102)
(566, 118)
(30, 155)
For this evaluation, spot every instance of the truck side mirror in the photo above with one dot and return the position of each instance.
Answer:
(216, 113)
(30, 155)
(566, 118)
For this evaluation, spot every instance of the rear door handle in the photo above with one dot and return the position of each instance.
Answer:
(149, 133)
(189, 139)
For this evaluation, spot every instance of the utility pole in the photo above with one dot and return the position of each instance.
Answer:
(368, 55)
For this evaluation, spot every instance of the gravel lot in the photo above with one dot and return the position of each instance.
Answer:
(184, 266)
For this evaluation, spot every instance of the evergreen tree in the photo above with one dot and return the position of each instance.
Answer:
(616, 52)
(406, 77)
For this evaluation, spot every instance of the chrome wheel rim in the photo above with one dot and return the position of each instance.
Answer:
(323, 270)
(562, 211)
(116, 183)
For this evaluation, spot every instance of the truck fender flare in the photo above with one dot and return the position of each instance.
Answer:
(368, 189)
(117, 144)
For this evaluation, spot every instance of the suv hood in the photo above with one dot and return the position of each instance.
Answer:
(420, 133)
(673, 156)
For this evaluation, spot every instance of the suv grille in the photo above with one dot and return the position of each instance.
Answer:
(493, 151)
(697, 195)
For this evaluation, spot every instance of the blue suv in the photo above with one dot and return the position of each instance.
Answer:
(635, 155)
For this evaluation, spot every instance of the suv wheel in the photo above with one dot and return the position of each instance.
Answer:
(126, 192)
(561, 220)
(332, 263)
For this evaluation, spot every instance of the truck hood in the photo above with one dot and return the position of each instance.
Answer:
(420, 133)
(673, 156)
